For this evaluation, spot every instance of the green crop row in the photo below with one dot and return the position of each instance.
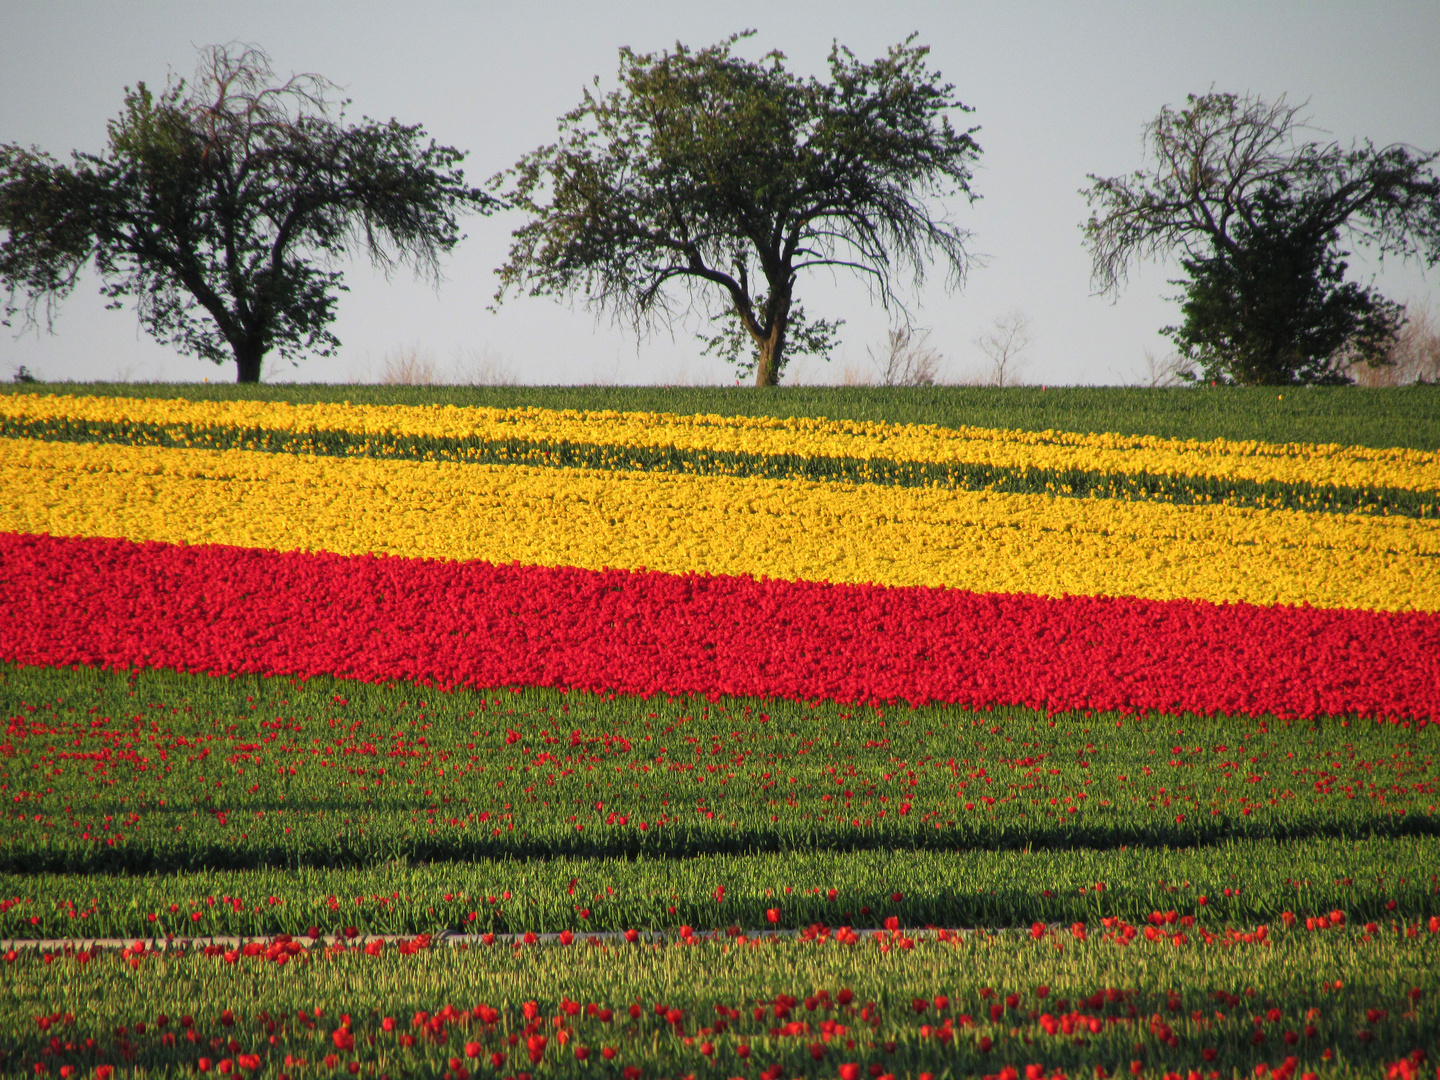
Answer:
(1339, 1002)
(1408, 416)
(78, 839)
(157, 772)
(1071, 483)
(1307, 952)
(1238, 883)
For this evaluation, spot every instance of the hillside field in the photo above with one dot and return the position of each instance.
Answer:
(674, 733)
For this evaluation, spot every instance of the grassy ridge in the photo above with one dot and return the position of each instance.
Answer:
(1235, 897)
(1404, 417)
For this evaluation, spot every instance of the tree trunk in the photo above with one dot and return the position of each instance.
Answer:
(772, 346)
(248, 359)
(767, 370)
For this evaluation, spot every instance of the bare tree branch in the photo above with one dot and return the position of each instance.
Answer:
(907, 358)
(1006, 344)
(1214, 159)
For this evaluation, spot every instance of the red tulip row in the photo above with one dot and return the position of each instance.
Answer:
(223, 609)
(1167, 928)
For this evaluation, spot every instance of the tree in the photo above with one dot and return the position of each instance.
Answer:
(221, 210)
(727, 178)
(1258, 217)
(907, 358)
(1414, 357)
(1165, 372)
(1007, 344)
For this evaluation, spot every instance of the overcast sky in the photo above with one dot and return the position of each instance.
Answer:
(1059, 89)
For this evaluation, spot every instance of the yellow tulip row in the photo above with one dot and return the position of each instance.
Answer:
(1292, 463)
(786, 529)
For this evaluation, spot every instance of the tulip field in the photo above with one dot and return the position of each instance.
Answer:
(444, 738)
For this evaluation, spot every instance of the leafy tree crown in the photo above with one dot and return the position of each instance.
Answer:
(1258, 215)
(708, 180)
(222, 208)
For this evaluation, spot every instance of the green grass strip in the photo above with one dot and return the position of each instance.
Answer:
(1405, 417)
(158, 772)
(1341, 1003)
(1236, 882)
(959, 476)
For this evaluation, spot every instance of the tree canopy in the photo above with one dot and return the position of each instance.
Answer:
(222, 211)
(705, 179)
(1258, 216)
